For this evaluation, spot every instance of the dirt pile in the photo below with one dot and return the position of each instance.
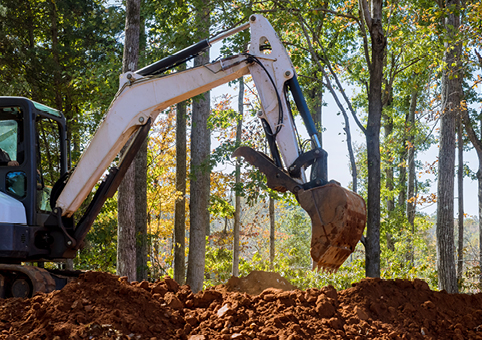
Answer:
(102, 306)
(257, 281)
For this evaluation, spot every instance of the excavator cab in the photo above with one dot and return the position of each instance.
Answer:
(34, 153)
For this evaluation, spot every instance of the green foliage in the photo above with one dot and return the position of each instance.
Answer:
(64, 54)
(220, 208)
(219, 264)
(293, 260)
(408, 253)
(99, 252)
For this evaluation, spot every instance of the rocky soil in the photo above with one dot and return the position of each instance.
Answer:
(103, 306)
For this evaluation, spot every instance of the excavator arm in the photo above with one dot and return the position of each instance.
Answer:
(338, 215)
(143, 96)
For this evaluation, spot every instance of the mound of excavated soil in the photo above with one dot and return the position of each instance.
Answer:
(257, 281)
(102, 306)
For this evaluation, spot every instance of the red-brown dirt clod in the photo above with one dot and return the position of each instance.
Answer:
(104, 306)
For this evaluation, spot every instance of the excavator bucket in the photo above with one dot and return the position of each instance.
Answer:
(338, 215)
(338, 218)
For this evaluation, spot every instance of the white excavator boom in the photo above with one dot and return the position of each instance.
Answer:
(142, 97)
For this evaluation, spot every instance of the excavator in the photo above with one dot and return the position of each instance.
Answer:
(40, 195)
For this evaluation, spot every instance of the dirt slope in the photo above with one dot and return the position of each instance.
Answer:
(102, 306)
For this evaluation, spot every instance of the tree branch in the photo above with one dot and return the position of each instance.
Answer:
(365, 42)
(321, 9)
(343, 93)
(478, 57)
(332, 72)
(327, 79)
(476, 142)
(393, 5)
(366, 13)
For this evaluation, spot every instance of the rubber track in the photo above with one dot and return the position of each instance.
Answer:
(40, 278)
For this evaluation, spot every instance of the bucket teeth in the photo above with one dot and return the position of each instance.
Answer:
(338, 218)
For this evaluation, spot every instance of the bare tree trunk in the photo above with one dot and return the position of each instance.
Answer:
(402, 169)
(57, 71)
(389, 184)
(237, 204)
(388, 129)
(446, 170)
(478, 147)
(200, 169)
(354, 171)
(411, 169)
(271, 233)
(126, 232)
(460, 184)
(479, 179)
(402, 194)
(140, 162)
(180, 205)
(378, 40)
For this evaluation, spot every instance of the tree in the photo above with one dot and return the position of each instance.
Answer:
(200, 168)
(460, 187)
(180, 208)
(411, 204)
(451, 100)
(126, 235)
(237, 206)
(272, 230)
(373, 20)
(164, 197)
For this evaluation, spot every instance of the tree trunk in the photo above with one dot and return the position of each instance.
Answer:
(446, 170)
(479, 179)
(402, 169)
(388, 129)
(389, 184)
(237, 204)
(200, 186)
(411, 169)
(126, 232)
(271, 233)
(460, 184)
(378, 41)
(316, 94)
(141, 186)
(354, 171)
(57, 71)
(180, 206)
(478, 147)
(140, 162)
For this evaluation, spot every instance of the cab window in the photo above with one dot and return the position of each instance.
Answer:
(11, 136)
(49, 159)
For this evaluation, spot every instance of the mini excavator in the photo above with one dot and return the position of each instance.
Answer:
(39, 195)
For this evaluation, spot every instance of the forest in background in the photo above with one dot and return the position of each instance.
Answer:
(68, 55)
